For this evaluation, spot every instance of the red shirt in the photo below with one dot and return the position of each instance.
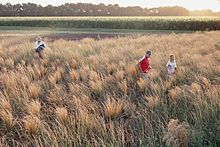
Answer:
(144, 65)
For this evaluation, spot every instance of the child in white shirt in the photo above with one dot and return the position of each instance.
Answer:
(171, 65)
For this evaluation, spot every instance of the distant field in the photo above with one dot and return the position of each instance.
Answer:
(135, 23)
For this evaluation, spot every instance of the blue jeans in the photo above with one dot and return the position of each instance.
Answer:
(39, 49)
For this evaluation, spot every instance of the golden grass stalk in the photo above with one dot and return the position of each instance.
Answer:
(142, 83)
(132, 70)
(94, 76)
(196, 88)
(75, 88)
(119, 75)
(34, 90)
(52, 80)
(37, 71)
(5, 104)
(30, 71)
(123, 86)
(205, 82)
(9, 81)
(7, 118)
(152, 101)
(174, 93)
(156, 87)
(96, 86)
(2, 62)
(217, 46)
(167, 84)
(113, 108)
(56, 95)
(153, 74)
(32, 124)
(57, 76)
(85, 101)
(84, 73)
(34, 108)
(74, 75)
(87, 119)
(94, 61)
(74, 64)
(111, 68)
(177, 134)
(62, 114)
(9, 62)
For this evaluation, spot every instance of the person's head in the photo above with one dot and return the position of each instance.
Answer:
(172, 57)
(148, 53)
(39, 38)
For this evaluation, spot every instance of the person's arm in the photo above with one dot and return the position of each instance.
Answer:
(148, 66)
(43, 44)
(139, 65)
(167, 63)
(35, 45)
(175, 67)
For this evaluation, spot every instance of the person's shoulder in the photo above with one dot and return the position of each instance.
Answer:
(142, 59)
(35, 43)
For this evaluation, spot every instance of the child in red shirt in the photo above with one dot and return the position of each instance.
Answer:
(144, 64)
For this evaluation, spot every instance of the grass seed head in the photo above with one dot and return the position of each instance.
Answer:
(142, 83)
(34, 107)
(119, 75)
(177, 134)
(62, 114)
(34, 90)
(7, 118)
(32, 124)
(113, 108)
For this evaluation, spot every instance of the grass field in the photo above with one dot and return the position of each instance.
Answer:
(135, 23)
(87, 92)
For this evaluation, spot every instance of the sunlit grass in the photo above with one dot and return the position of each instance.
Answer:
(90, 92)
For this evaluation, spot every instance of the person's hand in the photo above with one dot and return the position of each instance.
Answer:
(146, 71)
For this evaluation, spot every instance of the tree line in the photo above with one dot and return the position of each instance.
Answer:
(86, 9)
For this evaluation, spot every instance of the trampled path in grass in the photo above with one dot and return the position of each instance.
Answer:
(78, 33)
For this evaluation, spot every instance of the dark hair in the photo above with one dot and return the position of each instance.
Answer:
(149, 52)
(172, 55)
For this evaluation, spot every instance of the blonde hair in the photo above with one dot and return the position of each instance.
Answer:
(39, 38)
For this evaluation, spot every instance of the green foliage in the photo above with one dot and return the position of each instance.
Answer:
(142, 23)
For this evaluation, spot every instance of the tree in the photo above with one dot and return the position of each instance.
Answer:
(88, 9)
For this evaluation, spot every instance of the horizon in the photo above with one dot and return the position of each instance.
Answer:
(191, 5)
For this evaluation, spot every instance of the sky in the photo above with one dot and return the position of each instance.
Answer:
(189, 4)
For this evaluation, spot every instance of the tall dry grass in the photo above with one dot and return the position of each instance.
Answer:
(89, 92)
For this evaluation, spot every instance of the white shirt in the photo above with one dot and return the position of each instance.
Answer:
(38, 43)
(171, 67)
